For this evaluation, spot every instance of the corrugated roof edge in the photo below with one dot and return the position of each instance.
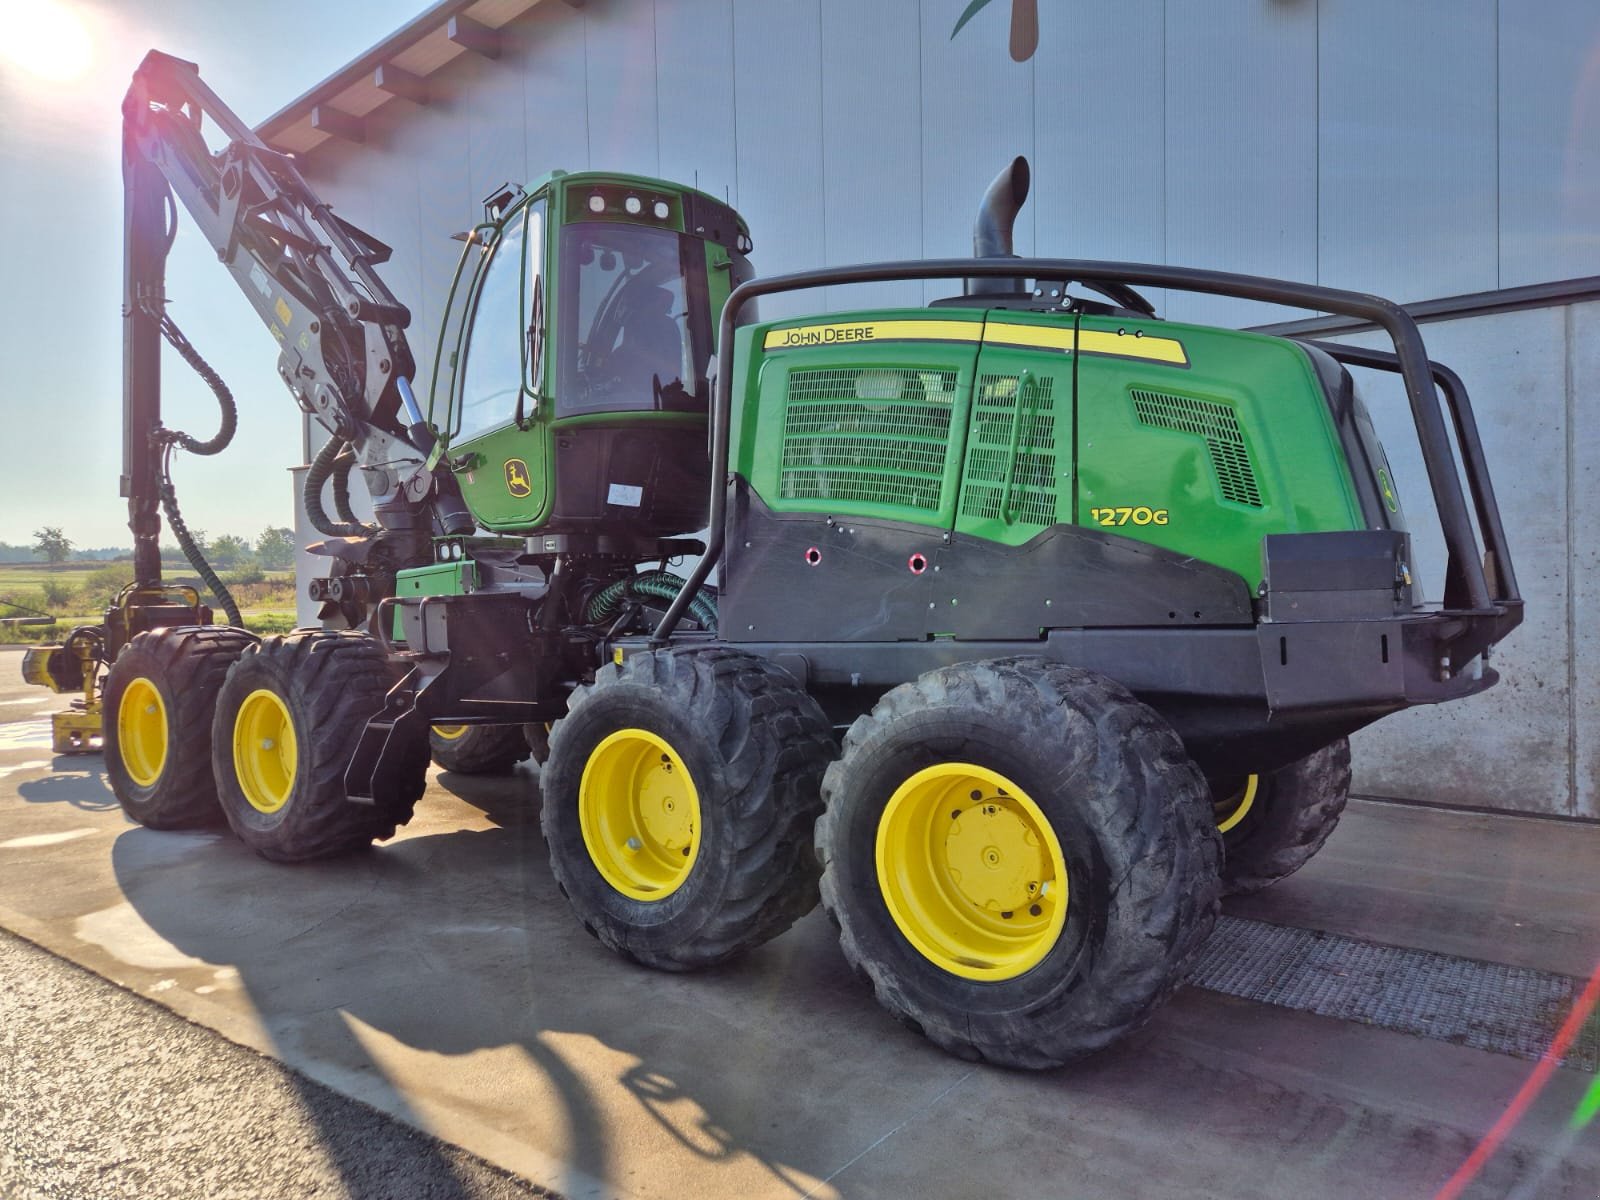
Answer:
(408, 34)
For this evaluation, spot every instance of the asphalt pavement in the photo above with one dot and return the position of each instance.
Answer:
(105, 1094)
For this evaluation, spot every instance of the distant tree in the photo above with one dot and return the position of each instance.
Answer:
(275, 548)
(53, 544)
(228, 551)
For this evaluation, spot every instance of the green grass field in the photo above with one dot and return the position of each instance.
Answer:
(76, 593)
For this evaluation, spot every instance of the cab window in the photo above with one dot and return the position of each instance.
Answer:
(502, 339)
(634, 320)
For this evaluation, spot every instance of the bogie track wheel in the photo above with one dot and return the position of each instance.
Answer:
(1020, 857)
(1273, 823)
(679, 797)
(287, 723)
(478, 749)
(158, 703)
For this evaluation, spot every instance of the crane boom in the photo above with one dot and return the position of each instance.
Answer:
(311, 277)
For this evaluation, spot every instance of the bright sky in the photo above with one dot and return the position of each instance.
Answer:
(64, 65)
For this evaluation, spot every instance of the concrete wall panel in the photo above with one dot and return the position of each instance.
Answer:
(778, 93)
(977, 115)
(694, 94)
(620, 65)
(1100, 158)
(1583, 490)
(1407, 147)
(555, 86)
(1241, 148)
(1549, 140)
(1510, 744)
(497, 121)
(871, 162)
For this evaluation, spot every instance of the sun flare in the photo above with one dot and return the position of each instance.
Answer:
(45, 38)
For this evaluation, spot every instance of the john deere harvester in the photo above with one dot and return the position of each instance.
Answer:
(1040, 621)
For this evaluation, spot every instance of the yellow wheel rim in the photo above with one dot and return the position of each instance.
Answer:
(451, 733)
(1230, 810)
(639, 812)
(142, 731)
(264, 750)
(972, 872)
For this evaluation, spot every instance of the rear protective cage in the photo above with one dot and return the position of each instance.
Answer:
(1469, 593)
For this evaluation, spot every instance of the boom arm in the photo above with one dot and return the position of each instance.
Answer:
(344, 354)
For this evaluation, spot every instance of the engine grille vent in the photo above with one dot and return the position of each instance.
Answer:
(1033, 484)
(1218, 426)
(867, 436)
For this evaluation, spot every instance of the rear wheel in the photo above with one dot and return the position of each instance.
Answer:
(679, 797)
(478, 749)
(287, 723)
(1272, 824)
(1020, 857)
(158, 702)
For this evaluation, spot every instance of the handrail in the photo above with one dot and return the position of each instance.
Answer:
(1411, 357)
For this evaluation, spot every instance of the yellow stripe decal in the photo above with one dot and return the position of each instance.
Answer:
(1039, 337)
(1090, 341)
(1126, 345)
(858, 332)
(1002, 333)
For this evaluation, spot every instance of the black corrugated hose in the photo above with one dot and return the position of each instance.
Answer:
(168, 438)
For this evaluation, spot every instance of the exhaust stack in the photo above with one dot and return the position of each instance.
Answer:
(991, 236)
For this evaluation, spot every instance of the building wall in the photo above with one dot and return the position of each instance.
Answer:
(1416, 150)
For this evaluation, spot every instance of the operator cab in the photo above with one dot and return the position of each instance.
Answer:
(573, 383)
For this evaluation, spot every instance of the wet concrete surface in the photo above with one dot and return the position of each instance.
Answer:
(442, 980)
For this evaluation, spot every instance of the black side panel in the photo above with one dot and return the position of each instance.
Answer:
(813, 578)
(808, 578)
(638, 477)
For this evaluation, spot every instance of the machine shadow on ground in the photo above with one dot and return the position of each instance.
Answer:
(454, 943)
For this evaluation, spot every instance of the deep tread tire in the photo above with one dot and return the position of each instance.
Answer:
(756, 746)
(1133, 816)
(480, 750)
(186, 665)
(332, 682)
(1294, 811)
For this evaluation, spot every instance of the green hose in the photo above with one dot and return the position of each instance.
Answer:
(658, 585)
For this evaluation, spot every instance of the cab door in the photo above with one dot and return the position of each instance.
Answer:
(504, 468)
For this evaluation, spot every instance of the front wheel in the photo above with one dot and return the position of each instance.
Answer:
(1020, 857)
(679, 797)
(287, 723)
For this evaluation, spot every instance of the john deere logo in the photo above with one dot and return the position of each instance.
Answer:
(1024, 25)
(517, 481)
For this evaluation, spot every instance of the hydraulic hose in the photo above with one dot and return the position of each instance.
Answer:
(191, 548)
(658, 585)
(169, 438)
(324, 466)
(341, 486)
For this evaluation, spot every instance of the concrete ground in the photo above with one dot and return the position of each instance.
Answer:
(441, 980)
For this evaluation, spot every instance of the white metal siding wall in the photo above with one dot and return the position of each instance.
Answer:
(1418, 150)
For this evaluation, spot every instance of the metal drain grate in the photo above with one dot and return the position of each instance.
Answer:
(1487, 1006)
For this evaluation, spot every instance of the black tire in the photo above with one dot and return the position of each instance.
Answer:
(330, 682)
(1290, 817)
(755, 746)
(1133, 819)
(478, 749)
(185, 667)
(537, 735)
